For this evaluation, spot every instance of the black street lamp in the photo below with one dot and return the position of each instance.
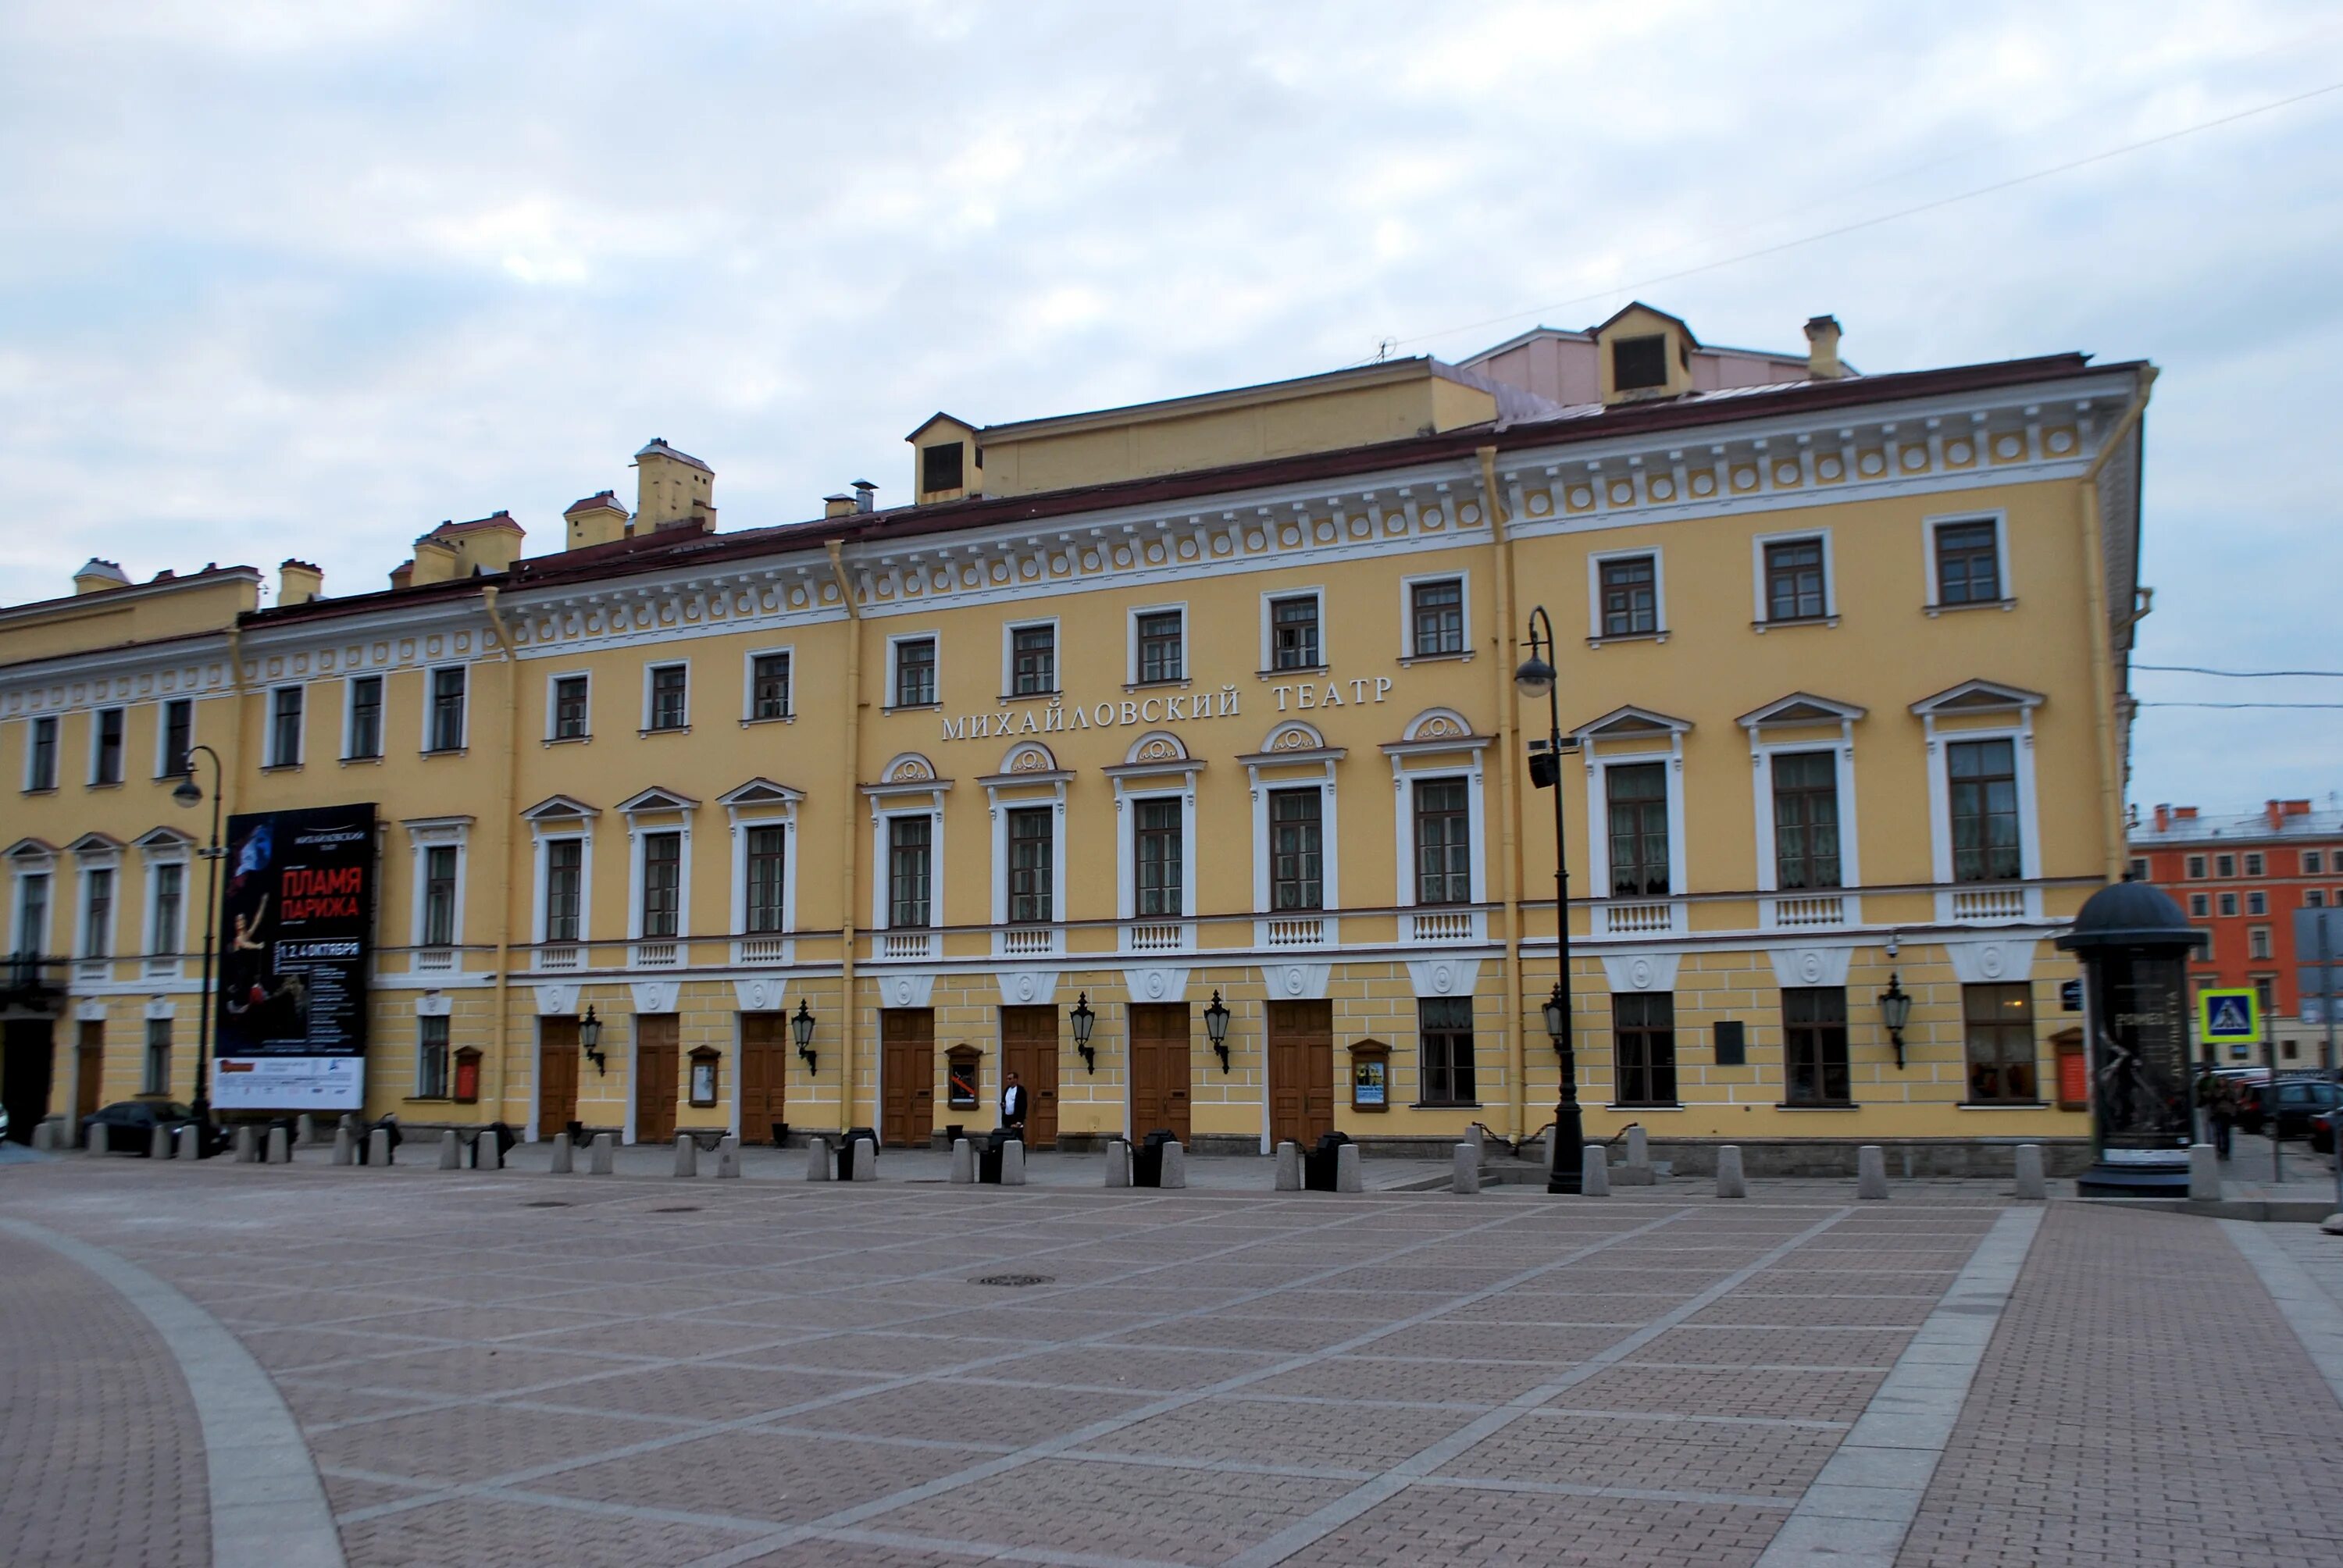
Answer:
(589, 1040)
(1216, 1028)
(1537, 678)
(1085, 1018)
(802, 1028)
(1896, 1011)
(189, 793)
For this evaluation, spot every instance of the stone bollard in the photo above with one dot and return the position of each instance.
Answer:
(191, 1142)
(451, 1151)
(1118, 1163)
(727, 1160)
(1730, 1183)
(1013, 1163)
(2029, 1184)
(1467, 1177)
(603, 1154)
(305, 1131)
(2204, 1174)
(817, 1159)
(488, 1151)
(279, 1147)
(1347, 1178)
(1871, 1171)
(158, 1147)
(963, 1165)
(96, 1141)
(1637, 1172)
(45, 1135)
(247, 1145)
(1175, 1165)
(1479, 1136)
(1594, 1172)
(687, 1154)
(377, 1148)
(564, 1155)
(865, 1160)
(346, 1146)
(1289, 1166)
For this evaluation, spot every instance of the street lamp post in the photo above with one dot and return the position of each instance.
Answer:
(190, 793)
(1537, 678)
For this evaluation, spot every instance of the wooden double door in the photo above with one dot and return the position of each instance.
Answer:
(764, 1073)
(556, 1075)
(656, 1068)
(907, 1076)
(1029, 1048)
(1159, 1069)
(1300, 1071)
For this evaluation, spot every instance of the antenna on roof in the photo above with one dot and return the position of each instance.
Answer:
(1384, 346)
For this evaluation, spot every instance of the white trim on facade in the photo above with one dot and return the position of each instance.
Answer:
(1760, 616)
(1999, 518)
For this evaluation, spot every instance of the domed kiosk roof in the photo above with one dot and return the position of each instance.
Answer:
(2129, 914)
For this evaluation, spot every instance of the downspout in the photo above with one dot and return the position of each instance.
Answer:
(1508, 822)
(507, 840)
(2102, 627)
(850, 791)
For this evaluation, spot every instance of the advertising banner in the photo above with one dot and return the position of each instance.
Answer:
(296, 918)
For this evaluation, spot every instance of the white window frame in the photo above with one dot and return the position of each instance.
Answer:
(917, 793)
(761, 803)
(2018, 730)
(301, 729)
(1323, 759)
(998, 810)
(553, 708)
(1461, 576)
(350, 715)
(894, 644)
(1765, 745)
(163, 732)
(1408, 773)
(56, 751)
(1598, 817)
(158, 849)
(448, 1049)
(1662, 631)
(1758, 543)
(22, 867)
(90, 865)
(560, 818)
(650, 672)
(430, 702)
(423, 835)
(659, 803)
(96, 715)
(788, 714)
(1009, 630)
(1999, 518)
(1269, 631)
(2314, 862)
(1131, 677)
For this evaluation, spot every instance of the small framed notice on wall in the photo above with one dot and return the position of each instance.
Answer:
(1732, 1043)
(1371, 1076)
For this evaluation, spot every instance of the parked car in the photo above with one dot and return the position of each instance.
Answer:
(128, 1125)
(2322, 1130)
(2296, 1100)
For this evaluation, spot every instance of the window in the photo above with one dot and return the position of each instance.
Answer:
(1998, 1020)
(163, 927)
(1805, 819)
(942, 467)
(366, 716)
(1969, 563)
(2266, 996)
(1293, 633)
(2225, 865)
(1030, 858)
(668, 689)
(431, 1058)
(1444, 1026)
(106, 758)
(1644, 1047)
(1437, 615)
(447, 732)
(767, 908)
(572, 718)
(1160, 655)
(1032, 660)
(1631, 596)
(285, 727)
(662, 885)
(157, 1078)
(768, 686)
(439, 896)
(1639, 364)
(1161, 856)
(2139, 871)
(2258, 942)
(41, 754)
(1813, 1044)
(565, 889)
(1443, 843)
(908, 840)
(1794, 581)
(1637, 797)
(1296, 864)
(2315, 898)
(1984, 800)
(178, 734)
(915, 672)
(2228, 903)
(2254, 864)
(2197, 867)
(2258, 903)
(2314, 863)
(32, 913)
(97, 914)
(2199, 906)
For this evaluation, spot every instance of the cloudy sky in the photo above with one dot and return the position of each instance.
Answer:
(289, 278)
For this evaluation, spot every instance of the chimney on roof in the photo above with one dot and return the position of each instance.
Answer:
(1822, 349)
(599, 519)
(838, 506)
(672, 487)
(298, 582)
(2163, 818)
(2185, 813)
(435, 560)
(865, 496)
(99, 576)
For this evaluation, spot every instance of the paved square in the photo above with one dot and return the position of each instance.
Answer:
(516, 1367)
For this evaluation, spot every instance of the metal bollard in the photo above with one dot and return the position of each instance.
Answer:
(603, 1156)
(727, 1160)
(865, 1160)
(1594, 1172)
(2204, 1174)
(1013, 1163)
(817, 1159)
(1175, 1165)
(346, 1145)
(963, 1165)
(1118, 1163)
(1347, 1178)
(279, 1147)
(158, 1147)
(451, 1151)
(1289, 1166)
(1467, 1176)
(1870, 1172)
(687, 1154)
(2029, 1182)
(1730, 1183)
(564, 1155)
(378, 1148)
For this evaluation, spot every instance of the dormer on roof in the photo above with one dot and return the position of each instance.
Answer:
(947, 462)
(1644, 354)
(599, 519)
(484, 544)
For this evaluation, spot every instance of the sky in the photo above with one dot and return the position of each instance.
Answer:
(283, 278)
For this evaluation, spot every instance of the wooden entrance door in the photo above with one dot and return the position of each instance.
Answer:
(556, 1075)
(654, 1069)
(1029, 1048)
(89, 1071)
(764, 1073)
(1301, 1070)
(907, 1072)
(1159, 1069)
(26, 1049)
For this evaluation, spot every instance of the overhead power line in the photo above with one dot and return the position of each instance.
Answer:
(2238, 705)
(2243, 674)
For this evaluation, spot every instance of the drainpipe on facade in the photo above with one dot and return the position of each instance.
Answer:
(495, 1089)
(1509, 826)
(2102, 633)
(852, 752)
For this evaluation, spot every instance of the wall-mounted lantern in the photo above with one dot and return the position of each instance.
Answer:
(1085, 1018)
(802, 1028)
(1557, 1018)
(1896, 1011)
(1216, 1028)
(589, 1040)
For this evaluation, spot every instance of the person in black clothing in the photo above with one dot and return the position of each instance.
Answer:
(1012, 1106)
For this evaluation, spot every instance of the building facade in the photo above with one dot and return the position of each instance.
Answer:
(2242, 875)
(1205, 704)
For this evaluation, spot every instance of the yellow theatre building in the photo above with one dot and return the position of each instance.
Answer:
(1189, 715)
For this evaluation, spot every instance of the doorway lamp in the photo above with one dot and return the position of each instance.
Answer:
(1085, 1018)
(589, 1040)
(1537, 678)
(1216, 1029)
(801, 1031)
(1896, 1011)
(190, 793)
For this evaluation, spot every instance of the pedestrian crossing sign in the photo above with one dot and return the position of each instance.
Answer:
(2228, 1017)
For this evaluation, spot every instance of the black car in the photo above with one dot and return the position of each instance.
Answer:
(128, 1125)
(2298, 1100)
